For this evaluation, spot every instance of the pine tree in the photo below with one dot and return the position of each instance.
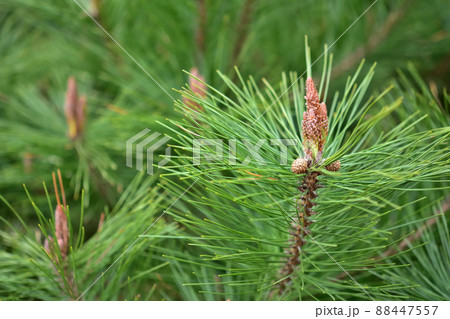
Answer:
(352, 206)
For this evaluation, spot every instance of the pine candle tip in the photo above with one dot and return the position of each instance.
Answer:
(198, 87)
(74, 108)
(61, 230)
(194, 72)
(61, 222)
(314, 123)
(312, 97)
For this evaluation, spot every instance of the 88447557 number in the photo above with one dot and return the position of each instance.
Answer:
(406, 310)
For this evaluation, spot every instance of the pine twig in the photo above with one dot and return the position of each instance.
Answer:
(300, 228)
(200, 32)
(418, 234)
(100, 223)
(373, 42)
(242, 29)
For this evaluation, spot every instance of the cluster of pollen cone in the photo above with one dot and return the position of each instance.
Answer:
(314, 132)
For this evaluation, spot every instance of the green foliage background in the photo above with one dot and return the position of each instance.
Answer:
(224, 237)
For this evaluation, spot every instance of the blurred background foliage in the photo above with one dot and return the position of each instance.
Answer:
(43, 43)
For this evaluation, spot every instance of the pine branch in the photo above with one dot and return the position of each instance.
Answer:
(200, 32)
(242, 29)
(253, 218)
(314, 133)
(233, 229)
(443, 208)
(373, 42)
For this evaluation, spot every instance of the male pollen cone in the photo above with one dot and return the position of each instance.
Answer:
(197, 87)
(314, 123)
(70, 107)
(61, 230)
(74, 108)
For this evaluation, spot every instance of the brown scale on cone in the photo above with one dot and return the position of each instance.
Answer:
(314, 133)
